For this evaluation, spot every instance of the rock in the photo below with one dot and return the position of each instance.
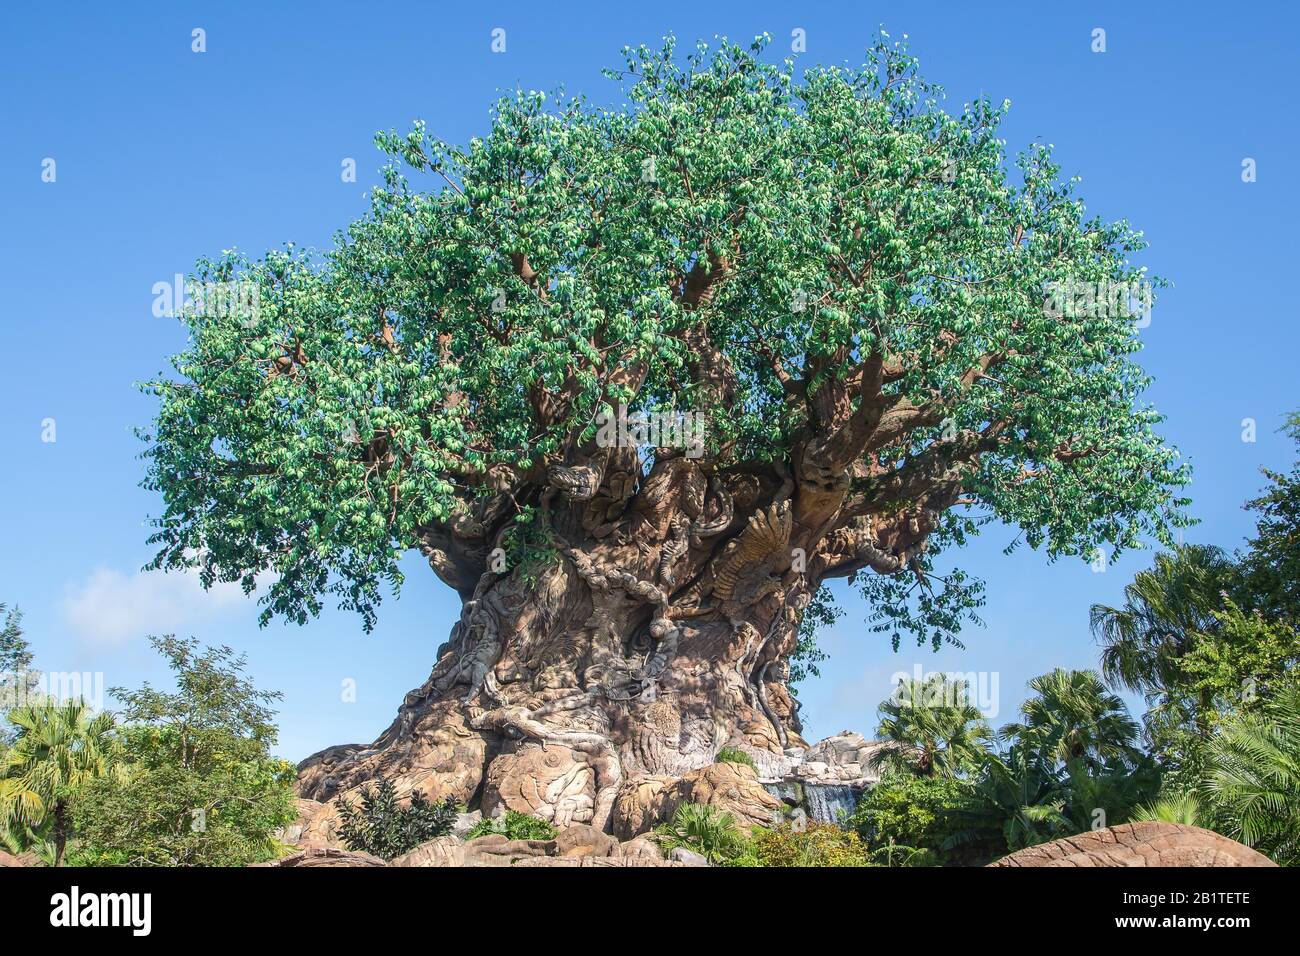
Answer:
(464, 823)
(1150, 843)
(845, 757)
(636, 808)
(496, 850)
(728, 787)
(22, 859)
(575, 846)
(731, 788)
(441, 755)
(689, 857)
(553, 783)
(440, 851)
(325, 856)
(317, 824)
(582, 840)
(640, 848)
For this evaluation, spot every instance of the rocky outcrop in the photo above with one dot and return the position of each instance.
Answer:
(553, 783)
(727, 787)
(573, 846)
(1140, 844)
(325, 856)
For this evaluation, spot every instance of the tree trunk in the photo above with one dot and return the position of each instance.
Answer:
(631, 641)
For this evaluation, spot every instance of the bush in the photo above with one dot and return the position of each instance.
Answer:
(380, 825)
(733, 755)
(177, 816)
(903, 814)
(514, 826)
(703, 830)
(815, 844)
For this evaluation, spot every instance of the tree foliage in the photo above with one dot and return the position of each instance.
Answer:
(198, 785)
(845, 279)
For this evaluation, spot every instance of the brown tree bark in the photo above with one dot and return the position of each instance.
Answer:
(651, 626)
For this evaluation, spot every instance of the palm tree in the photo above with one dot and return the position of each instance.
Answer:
(1253, 785)
(1016, 802)
(1075, 718)
(932, 728)
(59, 749)
(1173, 808)
(1164, 608)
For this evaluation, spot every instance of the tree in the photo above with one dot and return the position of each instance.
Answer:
(637, 382)
(1165, 608)
(932, 727)
(18, 682)
(199, 787)
(1272, 561)
(1073, 717)
(1252, 790)
(59, 750)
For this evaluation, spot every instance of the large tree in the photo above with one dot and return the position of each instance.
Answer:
(845, 282)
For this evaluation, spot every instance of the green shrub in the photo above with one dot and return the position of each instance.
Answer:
(733, 755)
(705, 831)
(380, 825)
(514, 826)
(905, 812)
(816, 844)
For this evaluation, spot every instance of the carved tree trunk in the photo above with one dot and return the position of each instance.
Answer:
(653, 632)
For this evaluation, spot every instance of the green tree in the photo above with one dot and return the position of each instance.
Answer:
(932, 728)
(1252, 789)
(1073, 717)
(18, 682)
(1272, 560)
(1165, 608)
(59, 751)
(1016, 797)
(886, 332)
(201, 787)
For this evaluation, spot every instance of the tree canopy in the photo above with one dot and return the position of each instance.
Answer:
(850, 283)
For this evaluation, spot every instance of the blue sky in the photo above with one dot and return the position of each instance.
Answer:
(163, 155)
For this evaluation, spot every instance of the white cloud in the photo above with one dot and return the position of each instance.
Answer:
(110, 607)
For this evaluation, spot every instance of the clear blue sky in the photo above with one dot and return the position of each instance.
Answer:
(164, 155)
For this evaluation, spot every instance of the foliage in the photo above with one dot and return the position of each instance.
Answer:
(1071, 764)
(1250, 658)
(815, 844)
(59, 750)
(932, 727)
(847, 228)
(1252, 789)
(514, 826)
(167, 814)
(1272, 561)
(1173, 808)
(382, 826)
(200, 786)
(704, 830)
(18, 682)
(733, 755)
(1072, 717)
(905, 812)
(821, 612)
